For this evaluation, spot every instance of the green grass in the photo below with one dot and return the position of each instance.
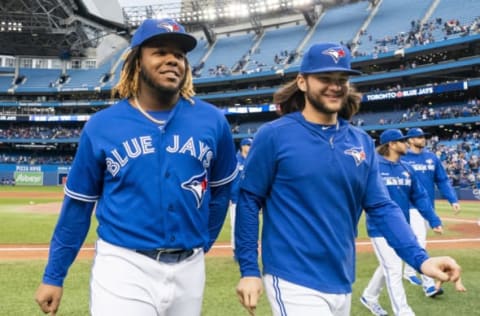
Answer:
(32, 188)
(19, 280)
(38, 227)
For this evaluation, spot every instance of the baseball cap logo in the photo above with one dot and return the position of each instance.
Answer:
(335, 52)
(169, 27)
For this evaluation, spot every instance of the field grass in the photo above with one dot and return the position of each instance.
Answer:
(37, 228)
(19, 279)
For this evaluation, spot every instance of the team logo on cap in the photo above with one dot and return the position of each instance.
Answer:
(170, 27)
(357, 153)
(198, 186)
(336, 53)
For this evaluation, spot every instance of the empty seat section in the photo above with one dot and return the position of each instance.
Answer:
(38, 79)
(227, 52)
(276, 46)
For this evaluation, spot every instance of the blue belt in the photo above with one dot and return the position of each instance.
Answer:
(167, 255)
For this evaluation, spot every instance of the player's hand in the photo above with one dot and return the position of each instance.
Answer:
(459, 286)
(438, 229)
(456, 208)
(443, 269)
(48, 298)
(249, 290)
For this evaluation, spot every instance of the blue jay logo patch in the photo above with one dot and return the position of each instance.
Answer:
(198, 186)
(357, 153)
(170, 27)
(336, 53)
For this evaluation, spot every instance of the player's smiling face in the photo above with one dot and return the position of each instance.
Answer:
(163, 66)
(325, 92)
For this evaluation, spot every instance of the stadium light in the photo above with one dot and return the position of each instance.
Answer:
(235, 10)
(9, 26)
(195, 11)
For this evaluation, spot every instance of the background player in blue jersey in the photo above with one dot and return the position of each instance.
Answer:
(431, 172)
(157, 165)
(242, 153)
(312, 173)
(404, 188)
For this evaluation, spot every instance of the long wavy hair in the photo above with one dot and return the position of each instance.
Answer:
(128, 86)
(291, 99)
(383, 149)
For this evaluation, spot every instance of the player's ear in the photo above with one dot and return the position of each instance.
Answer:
(302, 82)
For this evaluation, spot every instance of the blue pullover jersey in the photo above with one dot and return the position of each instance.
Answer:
(312, 183)
(430, 171)
(405, 189)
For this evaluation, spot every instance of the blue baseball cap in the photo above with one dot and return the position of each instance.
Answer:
(416, 132)
(167, 29)
(246, 141)
(391, 135)
(327, 57)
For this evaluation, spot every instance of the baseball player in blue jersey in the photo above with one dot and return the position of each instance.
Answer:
(242, 153)
(157, 165)
(312, 173)
(430, 172)
(404, 188)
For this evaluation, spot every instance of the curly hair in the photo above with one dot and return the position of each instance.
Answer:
(128, 85)
(291, 99)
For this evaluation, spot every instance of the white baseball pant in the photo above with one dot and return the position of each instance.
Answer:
(287, 298)
(419, 226)
(232, 210)
(388, 273)
(126, 283)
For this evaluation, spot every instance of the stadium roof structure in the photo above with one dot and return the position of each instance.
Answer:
(60, 28)
(208, 14)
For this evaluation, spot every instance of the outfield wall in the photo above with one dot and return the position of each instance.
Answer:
(34, 174)
(57, 175)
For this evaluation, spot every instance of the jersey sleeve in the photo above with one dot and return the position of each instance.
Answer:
(421, 200)
(255, 183)
(69, 234)
(443, 183)
(224, 169)
(260, 166)
(85, 178)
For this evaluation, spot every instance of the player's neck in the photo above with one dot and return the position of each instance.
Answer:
(154, 101)
(392, 156)
(316, 117)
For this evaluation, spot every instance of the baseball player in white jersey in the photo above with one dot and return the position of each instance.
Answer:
(404, 188)
(158, 166)
(431, 172)
(312, 173)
